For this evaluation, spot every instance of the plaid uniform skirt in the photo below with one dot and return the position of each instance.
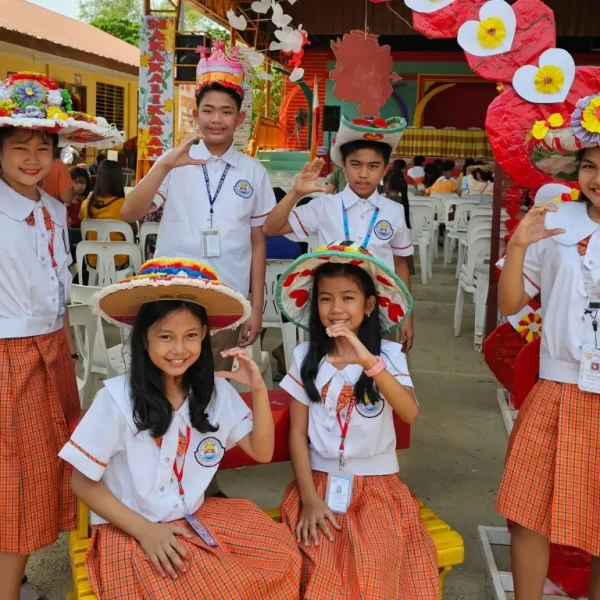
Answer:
(38, 392)
(550, 482)
(382, 551)
(257, 559)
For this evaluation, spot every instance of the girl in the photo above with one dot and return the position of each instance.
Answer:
(38, 389)
(357, 524)
(81, 190)
(550, 484)
(152, 440)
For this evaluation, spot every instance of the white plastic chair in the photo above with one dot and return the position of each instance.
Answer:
(84, 326)
(145, 230)
(422, 220)
(106, 272)
(104, 227)
(436, 204)
(263, 360)
(478, 223)
(454, 228)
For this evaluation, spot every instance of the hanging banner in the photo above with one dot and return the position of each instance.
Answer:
(156, 96)
(187, 106)
(241, 138)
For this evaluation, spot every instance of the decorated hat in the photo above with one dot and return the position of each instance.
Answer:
(220, 67)
(34, 101)
(373, 130)
(295, 286)
(173, 279)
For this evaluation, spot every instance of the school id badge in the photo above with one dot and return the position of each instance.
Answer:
(200, 528)
(211, 243)
(339, 492)
(589, 373)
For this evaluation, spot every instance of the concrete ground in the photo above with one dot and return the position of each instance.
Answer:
(455, 461)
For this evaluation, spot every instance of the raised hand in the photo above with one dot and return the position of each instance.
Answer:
(532, 227)
(315, 516)
(180, 155)
(307, 180)
(247, 374)
(352, 353)
(159, 541)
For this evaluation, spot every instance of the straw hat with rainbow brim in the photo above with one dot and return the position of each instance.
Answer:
(294, 287)
(173, 279)
(388, 132)
(33, 101)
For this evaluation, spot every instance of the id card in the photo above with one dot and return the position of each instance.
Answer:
(339, 492)
(198, 526)
(589, 374)
(211, 243)
(62, 305)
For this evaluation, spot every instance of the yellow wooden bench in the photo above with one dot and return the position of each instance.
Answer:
(449, 544)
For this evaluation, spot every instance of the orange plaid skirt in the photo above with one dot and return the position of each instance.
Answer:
(257, 559)
(550, 482)
(38, 391)
(382, 551)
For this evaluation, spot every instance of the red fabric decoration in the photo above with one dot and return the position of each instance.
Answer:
(384, 280)
(297, 57)
(300, 296)
(446, 22)
(536, 33)
(363, 71)
(395, 312)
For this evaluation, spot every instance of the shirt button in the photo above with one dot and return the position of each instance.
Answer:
(43, 261)
(53, 299)
(50, 325)
(162, 489)
(172, 480)
(176, 506)
(167, 459)
(51, 278)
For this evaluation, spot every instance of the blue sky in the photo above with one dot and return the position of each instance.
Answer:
(66, 7)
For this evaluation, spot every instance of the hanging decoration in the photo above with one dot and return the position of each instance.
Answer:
(445, 22)
(428, 6)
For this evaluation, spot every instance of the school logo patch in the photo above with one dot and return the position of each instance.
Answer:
(210, 452)
(370, 410)
(383, 230)
(243, 188)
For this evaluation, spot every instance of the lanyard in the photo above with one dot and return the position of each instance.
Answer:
(213, 199)
(344, 430)
(179, 472)
(369, 231)
(593, 291)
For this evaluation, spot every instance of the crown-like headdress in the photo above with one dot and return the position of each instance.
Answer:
(220, 67)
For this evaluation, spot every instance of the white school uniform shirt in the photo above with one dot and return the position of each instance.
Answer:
(370, 446)
(245, 200)
(107, 447)
(416, 173)
(553, 267)
(29, 294)
(323, 217)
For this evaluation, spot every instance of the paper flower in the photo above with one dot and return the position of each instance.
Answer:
(67, 101)
(7, 108)
(30, 112)
(145, 60)
(297, 74)
(54, 98)
(541, 128)
(81, 116)
(558, 164)
(265, 76)
(237, 21)
(556, 192)
(255, 58)
(530, 326)
(585, 121)
(548, 83)
(279, 18)
(572, 196)
(168, 105)
(493, 34)
(28, 93)
(56, 114)
(144, 139)
(5, 93)
(427, 6)
(261, 7)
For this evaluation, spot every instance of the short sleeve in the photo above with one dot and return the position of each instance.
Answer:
(304, 220)
(401, 241)
(532, 268)
(95, 439)
(239, 417)
(396, 364)
(163, 190)
(292, 382)
(264, 200)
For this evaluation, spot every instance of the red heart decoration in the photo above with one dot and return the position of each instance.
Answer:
(396, 312)
(446, 22)
(535, 33)
(383, 280)
(300, 296)
(383, 301)
(510, 120)
(357, 262)
(290, 279)
(373, 137)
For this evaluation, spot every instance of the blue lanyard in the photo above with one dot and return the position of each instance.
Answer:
(213, 199)
(369, 231)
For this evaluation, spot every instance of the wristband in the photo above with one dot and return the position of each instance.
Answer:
(377, 368)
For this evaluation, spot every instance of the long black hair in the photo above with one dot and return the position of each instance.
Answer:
(151, 409)
(321, 344)
(109, 184)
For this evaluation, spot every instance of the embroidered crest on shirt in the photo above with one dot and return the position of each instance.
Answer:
(366, 408)
(210, 452)
(383, 230)
(243, 188)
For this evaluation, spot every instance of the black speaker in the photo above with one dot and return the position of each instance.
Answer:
(185, 54)
(331, 118)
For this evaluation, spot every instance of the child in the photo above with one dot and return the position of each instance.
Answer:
(39, 390)
(364, 541)
(152, 440)
(550, 484)
(446, 182)
(359, 211)
(416, 174)
(81, 190)
(216, 199)
(396, 189)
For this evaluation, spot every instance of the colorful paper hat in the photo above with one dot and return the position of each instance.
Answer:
(173, 279)
(294, 287)
(374, 130)
(34, 101)
(219, 67)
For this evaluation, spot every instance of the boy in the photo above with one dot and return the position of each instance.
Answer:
(215, 198)
(358, 213)
(416, 174)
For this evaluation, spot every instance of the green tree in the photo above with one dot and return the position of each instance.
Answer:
(128, 31)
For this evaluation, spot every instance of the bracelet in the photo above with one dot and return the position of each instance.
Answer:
(377, 368)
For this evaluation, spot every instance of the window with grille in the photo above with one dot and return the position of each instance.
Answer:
(110, 103)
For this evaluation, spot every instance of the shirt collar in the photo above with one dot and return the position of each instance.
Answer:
(13, 204)
(349, 198)
(574, 219)
(327, 371)
(231, 157)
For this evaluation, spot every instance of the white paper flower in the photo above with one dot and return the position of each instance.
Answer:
(262, 6)
(265, 76)
(427, 6)
(4, 93)
(297, 74)
(290, 40)
(493, 34)
(279, 18)
(55, 98)
(102, 121)
(255, 58)
(237, 22)
(549, 82)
